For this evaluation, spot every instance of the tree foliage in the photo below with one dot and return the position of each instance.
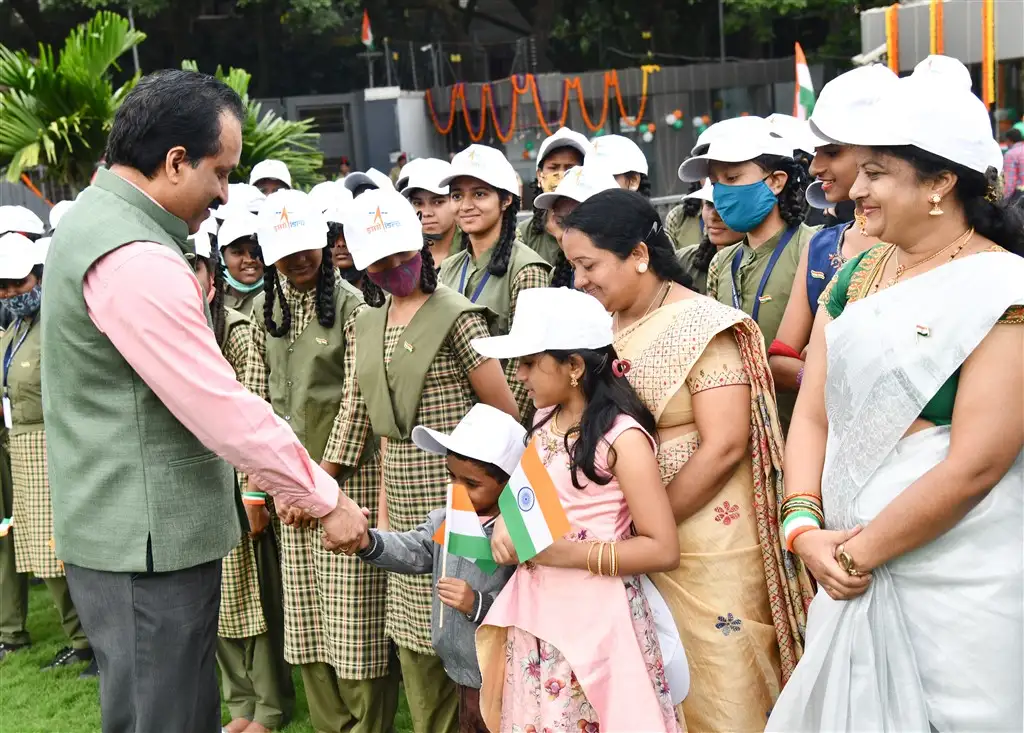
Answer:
(57, 110)
(266, 135)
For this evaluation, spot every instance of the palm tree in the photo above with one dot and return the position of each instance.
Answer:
(266, 135)
(57, 113)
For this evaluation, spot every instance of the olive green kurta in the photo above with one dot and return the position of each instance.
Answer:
(543, 243)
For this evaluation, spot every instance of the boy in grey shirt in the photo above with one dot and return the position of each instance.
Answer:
(482, 452)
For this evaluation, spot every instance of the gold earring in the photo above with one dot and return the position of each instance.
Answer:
(573, 381)
(641, 268)
(934, 200)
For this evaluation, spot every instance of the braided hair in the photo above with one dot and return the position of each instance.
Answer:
(539, 221)
(373, 294)
(325, 303)
(792, 202)
(272, 288)
(645, 186)
(692, 207)
(218, 310)
(562, 274)
(503, 249)
(705, 253)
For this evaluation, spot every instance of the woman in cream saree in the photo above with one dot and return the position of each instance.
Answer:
(737, 597)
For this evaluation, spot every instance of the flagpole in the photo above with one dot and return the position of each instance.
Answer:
(444, 547)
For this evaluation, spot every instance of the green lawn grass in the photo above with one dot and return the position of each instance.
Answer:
(34, 701)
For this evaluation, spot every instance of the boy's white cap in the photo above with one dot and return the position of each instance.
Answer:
(289, 222)
(563, 138)
(59, 210)
(850, 101)
(706, 193)
(273, 169)
(486, 164)
(238, 225)
(20, 219)
(617, 155)
(935, 110)
(379, 224)
(18, 255)
(331, 197)
(754, 140)
(241, 197)
(372, 177)
(427, 176)
(550, 319)
(796, 132)
(578, 184)
(485, 434)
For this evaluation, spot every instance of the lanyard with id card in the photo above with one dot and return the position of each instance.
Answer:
(479, 288)
(12, 349)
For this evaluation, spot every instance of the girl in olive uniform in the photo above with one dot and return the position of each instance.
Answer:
(558, 153)
(333, 605)
(21, 276)
(413, 364)
(495, 267)
(256, 682)
(243, 276)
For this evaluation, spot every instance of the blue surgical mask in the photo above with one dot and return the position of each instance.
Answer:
(25, 304)
(743, 208)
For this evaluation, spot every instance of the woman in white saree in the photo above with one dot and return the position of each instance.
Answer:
(910, 427)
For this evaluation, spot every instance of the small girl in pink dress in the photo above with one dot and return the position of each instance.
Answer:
(570, 643)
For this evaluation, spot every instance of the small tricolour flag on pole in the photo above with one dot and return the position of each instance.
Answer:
(530, 506)
(461, 532)
(367, 34)
(803, 100)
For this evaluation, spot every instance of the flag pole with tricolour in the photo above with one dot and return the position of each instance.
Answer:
(803, 97)
(533, 513)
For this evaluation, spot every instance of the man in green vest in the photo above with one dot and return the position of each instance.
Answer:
(145, 418)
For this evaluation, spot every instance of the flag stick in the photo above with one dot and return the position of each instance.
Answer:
(444, 547)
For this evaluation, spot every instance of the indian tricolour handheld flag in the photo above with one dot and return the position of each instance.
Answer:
(461, 534)
(803, 99)
(533, 513)
(367, 34)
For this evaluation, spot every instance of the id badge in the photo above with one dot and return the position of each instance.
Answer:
(7, 412)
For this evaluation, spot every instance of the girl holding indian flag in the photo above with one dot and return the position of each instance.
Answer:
(570, 644)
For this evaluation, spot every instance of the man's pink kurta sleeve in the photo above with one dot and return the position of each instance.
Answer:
(146, 301)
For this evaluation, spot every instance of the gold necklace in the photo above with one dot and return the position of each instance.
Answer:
(663, 291)
(962, 240)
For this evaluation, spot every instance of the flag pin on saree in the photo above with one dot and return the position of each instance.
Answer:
(923, 331)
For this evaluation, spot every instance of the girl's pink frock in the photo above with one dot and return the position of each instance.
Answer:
(564, 650)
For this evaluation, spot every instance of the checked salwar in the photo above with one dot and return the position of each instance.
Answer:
(333, 605)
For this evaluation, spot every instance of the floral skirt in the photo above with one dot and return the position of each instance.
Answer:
(542, 695)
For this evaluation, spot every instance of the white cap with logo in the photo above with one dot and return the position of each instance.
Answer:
(271, 169)
(18, 255)
(617, 155)
(379, 224)
(578, 184)
(485, 434)
(754, 140)
(427, 176)
(845, 102)
(289, 222)
(20, 219)
(372, 177)
(564, 138)
(238, 225)
(551, 319)
(486, 164)
(332, 197)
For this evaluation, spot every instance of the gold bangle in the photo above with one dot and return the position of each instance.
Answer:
(589, 553)
(600, 557)
(615, 563)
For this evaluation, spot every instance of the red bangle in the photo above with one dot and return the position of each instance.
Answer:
(778, 348)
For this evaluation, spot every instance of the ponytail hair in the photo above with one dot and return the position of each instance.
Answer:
(503, 249)
(978, 193)
(325, 303)
(704, 254)
(608, 396)
(645, 186)
(618, 220)
(792, 202)
(218, 310)
(539, 220)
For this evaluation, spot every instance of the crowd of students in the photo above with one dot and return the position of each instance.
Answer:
(413, 337)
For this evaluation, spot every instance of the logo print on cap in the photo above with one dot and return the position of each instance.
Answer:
(579, 175)
(285, 221)
(379, 225)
